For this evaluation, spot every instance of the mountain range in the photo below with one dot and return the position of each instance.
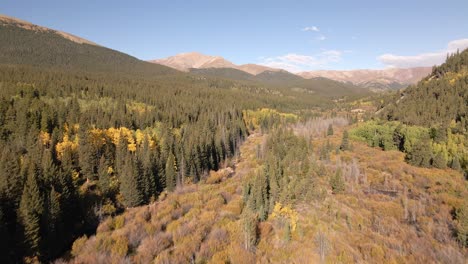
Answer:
(392, 78)
(196, 60)
(23, 43)
(90, 55)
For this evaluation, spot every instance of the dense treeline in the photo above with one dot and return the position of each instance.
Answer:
(77, 147)
(424, 147)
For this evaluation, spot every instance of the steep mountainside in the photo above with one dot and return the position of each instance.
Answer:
(437, 100)
(377, 79)
(27, 44)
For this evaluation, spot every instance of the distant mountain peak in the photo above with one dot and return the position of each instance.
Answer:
(29, 26)
(196, 60)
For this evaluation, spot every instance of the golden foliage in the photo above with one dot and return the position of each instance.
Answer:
(254, 117)
(66, 145)
(285, 212)
(45, 138)
(120, 246)
(119, 222)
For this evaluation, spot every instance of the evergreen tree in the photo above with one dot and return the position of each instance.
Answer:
(49, 169)
(10, 178)
(171, 172)
(420, 154)
(337, 182)
(54, 223)
(249, 229)
(31, 210)
(456, 164)
(87, 155)
(104, 177)
(345, 141)
(439, 161)
(148, 171)
(130, 185)
(330, 130)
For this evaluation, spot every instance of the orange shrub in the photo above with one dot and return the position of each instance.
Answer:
(152, 246)
(120, 246)
(215, 203)
(235, 206)
(78, 245)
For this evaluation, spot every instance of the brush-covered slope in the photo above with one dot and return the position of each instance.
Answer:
(440, 98)
(27, 44)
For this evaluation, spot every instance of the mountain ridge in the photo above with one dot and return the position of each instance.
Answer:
(197, 60)
(24, 43)
(385, 78)
(4, 19)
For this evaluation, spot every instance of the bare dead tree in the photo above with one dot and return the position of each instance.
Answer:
(323, 245)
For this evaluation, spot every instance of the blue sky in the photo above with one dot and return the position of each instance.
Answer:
(296, 35)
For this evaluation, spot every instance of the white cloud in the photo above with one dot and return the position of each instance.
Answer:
(321, 38)
(296, 62)
(424, 59)
(313, 28)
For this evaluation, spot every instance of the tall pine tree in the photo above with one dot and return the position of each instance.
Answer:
(31, 210)
(130, 185)
(171, 172)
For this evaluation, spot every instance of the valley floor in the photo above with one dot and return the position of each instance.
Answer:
(390, 212)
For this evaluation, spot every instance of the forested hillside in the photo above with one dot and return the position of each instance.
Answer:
(285, 81)
(46, 48)
(428, 120)
(437, 100)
